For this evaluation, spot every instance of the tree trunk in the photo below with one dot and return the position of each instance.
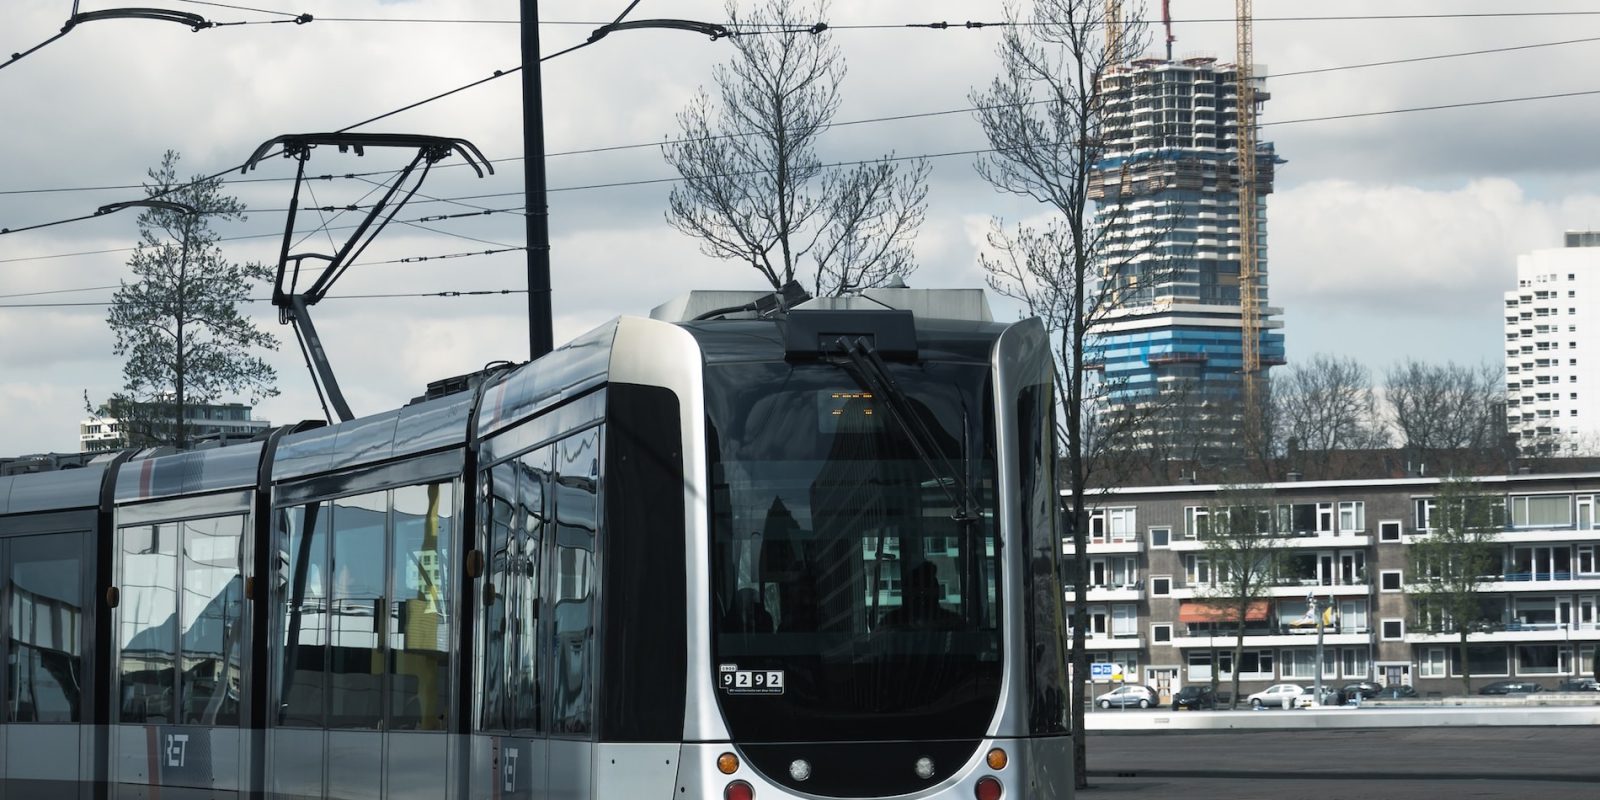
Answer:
(1238, 658)
(1080, 621)
(1466, 667)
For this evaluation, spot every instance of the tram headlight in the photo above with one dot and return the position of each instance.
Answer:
(727, 763)
(738, 790)
(988, 788)
(924, 768)
(997, 759)
(800, 769)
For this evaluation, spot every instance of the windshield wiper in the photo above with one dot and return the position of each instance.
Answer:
(867, 367)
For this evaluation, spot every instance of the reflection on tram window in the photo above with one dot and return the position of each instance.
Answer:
(147, 635)
(300, 644)
(44, 651)
(212, 610)
(420, 634)
(572, 662)
(496, 648)
(837, 555)
(357, 611)
(526, 561)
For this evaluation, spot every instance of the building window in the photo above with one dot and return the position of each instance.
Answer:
(1432, 663)
(1424, 517)
(1389, 531)
(1194, 521)
(1355, 661)
(1161, 634)
(1160, 537)
(1199, 665)
(1544, 659)
(1161, 586)
(1352, 516)
(1394, 630)
(1112, 525)
(1389, 580)
(1542, 511)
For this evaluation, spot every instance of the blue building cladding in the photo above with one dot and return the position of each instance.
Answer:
(1134, 362)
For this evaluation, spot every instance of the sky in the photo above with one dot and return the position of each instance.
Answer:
(1390, 236)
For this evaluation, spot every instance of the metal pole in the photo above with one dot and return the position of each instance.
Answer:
(1315, 607)
(540, 333)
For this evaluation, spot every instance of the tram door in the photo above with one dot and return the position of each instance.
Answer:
(42, 617)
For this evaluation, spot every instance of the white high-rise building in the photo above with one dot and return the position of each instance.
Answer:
(1553, 348)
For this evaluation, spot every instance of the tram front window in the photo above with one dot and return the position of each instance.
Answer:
(851, 600)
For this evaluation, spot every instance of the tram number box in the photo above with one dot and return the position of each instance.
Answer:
(751, 681)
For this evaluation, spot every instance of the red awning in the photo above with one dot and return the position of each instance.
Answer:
(1222, 612)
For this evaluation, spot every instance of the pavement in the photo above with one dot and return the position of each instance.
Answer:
(1418, 715)
(1530, 761)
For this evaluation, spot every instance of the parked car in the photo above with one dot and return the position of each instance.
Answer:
(1131, 695)
(1579, 685)
(1397, 693)
(1511, 687)
(1193, 697)
(1330, 697)
(1281, 695)
(1367, 689)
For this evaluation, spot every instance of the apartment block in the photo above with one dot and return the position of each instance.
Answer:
(1345, 545)
(1552, 329)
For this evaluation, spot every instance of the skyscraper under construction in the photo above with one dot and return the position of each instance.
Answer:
(1170, 342)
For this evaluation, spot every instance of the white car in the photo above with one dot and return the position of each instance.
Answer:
(1280, 695)
(1130, 695)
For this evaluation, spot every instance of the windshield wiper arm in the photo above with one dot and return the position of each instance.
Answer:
(868, 369)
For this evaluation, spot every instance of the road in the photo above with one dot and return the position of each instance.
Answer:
(1392, 764)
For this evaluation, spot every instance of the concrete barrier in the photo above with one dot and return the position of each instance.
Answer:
(1422, 715)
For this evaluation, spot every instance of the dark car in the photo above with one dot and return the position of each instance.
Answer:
(1367, 690)
(1579, 685)
(1396, 693)
(1511, 687)
(1190, 698)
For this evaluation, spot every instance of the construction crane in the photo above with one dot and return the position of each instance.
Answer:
(1114, 33)
(1249, 300)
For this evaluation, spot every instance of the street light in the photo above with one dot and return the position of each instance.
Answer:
(541, 333)
(1311, 600)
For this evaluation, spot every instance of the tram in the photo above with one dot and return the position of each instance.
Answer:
(735, 550)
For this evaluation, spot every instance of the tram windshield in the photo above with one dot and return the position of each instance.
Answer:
(851, 601)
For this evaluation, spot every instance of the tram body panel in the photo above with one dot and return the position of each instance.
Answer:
(653, 353)
(632, 769)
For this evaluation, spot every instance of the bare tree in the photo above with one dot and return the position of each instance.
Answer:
(1449, 417)
(754, 189)
(1242, 545)
(1450, 565)
(1324, 404)
(1041, 115)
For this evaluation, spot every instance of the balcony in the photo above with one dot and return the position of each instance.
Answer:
(1115, 545)
(1512, 633)
(1106, 641)
(1226, 641)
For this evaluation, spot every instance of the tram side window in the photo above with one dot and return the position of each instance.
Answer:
(147, 635)
(516, 512)
(497, 645)
(573, 573)
(532, 476)
(357, 612)
(300, 645)
(420, 637)
(212, 612)
(44, 647)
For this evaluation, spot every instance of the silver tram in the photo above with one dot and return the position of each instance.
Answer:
(728, 552)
